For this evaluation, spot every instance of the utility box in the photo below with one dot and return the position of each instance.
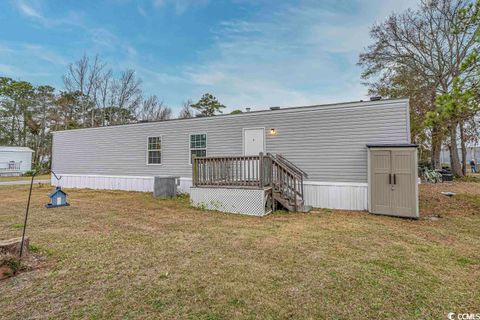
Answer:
(393, 180)
(165, 187)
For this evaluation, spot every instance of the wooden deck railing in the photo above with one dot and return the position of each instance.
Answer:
(250, 172)
(243, 171)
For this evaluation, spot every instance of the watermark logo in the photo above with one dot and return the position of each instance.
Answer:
(463, 316)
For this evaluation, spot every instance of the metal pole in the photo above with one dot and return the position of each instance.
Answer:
(26, 217)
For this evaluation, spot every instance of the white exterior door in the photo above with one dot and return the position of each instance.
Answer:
(253, 141)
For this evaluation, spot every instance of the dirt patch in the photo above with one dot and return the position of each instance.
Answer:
(8, 265)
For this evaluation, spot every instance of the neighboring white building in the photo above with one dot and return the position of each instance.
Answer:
(15, 160)
(473, 152)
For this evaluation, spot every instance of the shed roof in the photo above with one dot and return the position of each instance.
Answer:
(392, 145)
(15, 149)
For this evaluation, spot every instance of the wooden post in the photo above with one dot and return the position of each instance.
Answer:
(249, 167)
(295, 194)
(194, 171)
(301, 185)
(260, 170)
(270, 162)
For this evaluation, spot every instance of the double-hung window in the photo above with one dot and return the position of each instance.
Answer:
(154, 150)
(198, 146)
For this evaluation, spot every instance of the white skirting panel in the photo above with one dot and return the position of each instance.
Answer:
(232, 200)
(332, 195)
(185, 184)
(336, 195)
(103, 182)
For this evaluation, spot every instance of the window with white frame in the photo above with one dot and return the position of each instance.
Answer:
(198, 146)
(154, 150)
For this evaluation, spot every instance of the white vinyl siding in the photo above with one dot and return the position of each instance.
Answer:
(327, 142)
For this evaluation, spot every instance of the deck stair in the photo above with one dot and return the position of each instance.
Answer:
(281, 180)
(287, 183)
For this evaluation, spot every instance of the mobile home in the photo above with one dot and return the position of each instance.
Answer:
(15, 161)
(326, 145)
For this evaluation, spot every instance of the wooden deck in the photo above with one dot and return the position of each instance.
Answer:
(274, 172)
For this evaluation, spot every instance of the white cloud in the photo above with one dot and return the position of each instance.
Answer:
(102, 37)
(291, 55)
(99, 38)
(297, 55)
(45, 54)
(180, 6)
(5, 49)
(33, 10)
(28, 10)
(34, 63)
(27, 50)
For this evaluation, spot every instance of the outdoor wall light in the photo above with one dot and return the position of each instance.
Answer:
(273, 131)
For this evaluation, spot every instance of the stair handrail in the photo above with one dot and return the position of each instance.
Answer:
(291, 187)
(288, 164)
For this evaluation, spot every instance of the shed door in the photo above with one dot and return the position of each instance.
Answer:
(404, 180)
(381, 167)
(393, 182)
(253, 141)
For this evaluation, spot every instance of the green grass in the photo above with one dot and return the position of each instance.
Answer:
(21, 178)
(126, 255)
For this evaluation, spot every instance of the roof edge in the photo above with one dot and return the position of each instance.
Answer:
(281, 110)
(15, 149)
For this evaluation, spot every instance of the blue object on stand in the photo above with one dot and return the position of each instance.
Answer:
(58, 198)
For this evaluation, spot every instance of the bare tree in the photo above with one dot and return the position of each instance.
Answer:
(102, 95)
(128, 89)
(423, 42)
(187, 110)
(105, 99)
(153, 110)
(84, 76)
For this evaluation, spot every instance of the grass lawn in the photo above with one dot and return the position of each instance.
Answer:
(125, 255)
(16, 178)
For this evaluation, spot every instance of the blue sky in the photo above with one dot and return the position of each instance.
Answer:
(247, 53)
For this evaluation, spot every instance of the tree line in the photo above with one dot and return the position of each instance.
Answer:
(91, 97)
(432, 56)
